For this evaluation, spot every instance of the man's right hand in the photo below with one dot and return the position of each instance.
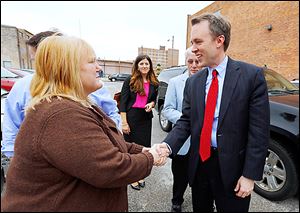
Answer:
(162, 149)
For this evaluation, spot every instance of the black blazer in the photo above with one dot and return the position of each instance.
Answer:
(243, 125)
(128, 97)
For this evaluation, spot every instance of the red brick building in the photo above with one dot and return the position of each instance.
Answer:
(262, 33)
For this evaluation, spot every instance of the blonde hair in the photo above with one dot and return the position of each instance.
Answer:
(57, 62)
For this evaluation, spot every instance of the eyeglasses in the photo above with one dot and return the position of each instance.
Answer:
(192, 61)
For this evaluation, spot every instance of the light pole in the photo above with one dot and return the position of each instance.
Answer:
(172, 48)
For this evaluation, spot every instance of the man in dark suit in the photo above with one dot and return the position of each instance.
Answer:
(226, 112)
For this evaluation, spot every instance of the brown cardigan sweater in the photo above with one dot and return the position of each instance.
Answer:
(71, 158)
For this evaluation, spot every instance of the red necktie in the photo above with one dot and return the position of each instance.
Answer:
(211, 100)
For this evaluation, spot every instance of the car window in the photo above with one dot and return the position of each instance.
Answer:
(167, 74)
(277, 84)
(7, 74)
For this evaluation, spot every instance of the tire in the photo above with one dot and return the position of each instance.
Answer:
(113, 79)
(164, 123)
(280, 178)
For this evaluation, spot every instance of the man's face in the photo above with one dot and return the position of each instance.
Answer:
(193, 63)
(203, 44)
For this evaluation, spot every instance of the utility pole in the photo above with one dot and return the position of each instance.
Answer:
(172, 48)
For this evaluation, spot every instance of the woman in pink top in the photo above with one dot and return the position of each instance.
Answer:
(138, 98)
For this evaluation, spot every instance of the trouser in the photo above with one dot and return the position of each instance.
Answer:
(209, 188)
(180, 177)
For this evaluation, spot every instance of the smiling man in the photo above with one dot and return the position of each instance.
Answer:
(226, 112)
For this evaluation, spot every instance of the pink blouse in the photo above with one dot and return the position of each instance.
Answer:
(141, 101)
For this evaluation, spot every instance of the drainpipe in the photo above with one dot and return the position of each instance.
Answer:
(19, 51)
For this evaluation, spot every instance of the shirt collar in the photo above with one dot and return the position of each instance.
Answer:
(221, 68)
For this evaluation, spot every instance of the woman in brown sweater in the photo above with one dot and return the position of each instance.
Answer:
(69, 156)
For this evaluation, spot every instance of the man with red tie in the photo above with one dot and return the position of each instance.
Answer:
(226, 112)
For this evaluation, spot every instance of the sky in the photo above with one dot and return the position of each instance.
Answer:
(114, 29)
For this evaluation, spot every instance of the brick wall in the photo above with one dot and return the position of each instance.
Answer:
(9, 46)
(252, 42)
(14, 48)
(112, 67)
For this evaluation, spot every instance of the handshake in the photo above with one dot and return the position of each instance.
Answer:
(160, 153)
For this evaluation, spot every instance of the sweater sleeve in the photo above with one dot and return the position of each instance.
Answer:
(73, 141)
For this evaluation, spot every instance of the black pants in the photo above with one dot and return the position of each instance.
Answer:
(180, 177)
(210, 188)
(140, 127)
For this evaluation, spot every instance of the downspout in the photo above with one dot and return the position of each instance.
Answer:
(19, 51)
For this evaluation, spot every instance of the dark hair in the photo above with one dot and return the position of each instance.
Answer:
(37, 38)
(218, 25)
(136, 81)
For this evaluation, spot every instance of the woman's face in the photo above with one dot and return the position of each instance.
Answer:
(89, 75)
(144, 66)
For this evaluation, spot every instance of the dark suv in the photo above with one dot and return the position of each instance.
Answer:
(163, 78)
(118, 77)
(280, 178)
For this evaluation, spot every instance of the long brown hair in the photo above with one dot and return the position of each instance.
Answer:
(136, 81)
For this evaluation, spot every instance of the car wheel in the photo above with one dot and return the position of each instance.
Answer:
(113, 79)
(280, 178)
(164, 123)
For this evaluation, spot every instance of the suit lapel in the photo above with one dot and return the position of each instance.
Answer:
(230, 81)
(200, 92)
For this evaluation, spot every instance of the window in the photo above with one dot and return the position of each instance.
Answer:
(217, 13)
(7, 64)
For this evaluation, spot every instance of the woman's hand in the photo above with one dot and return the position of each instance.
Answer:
(149, 106)
(125, 128)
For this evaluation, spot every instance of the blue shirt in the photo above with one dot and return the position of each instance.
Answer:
(173, 105)
(18, 98)
(221, 68)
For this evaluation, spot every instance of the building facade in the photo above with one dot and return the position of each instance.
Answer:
(14, 51)
(164, 58)
(111, 67)
(264, 33)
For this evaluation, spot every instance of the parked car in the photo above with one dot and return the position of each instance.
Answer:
(281, 171)
(8, 79)
(118, 77)
(295, 82)
(21, 72)
(163, 78)
(4, 159)
(4, 94)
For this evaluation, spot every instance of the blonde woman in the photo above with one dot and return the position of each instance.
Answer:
(69, 156)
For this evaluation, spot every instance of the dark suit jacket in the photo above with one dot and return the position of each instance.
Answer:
(243, 125)
(128, 97)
